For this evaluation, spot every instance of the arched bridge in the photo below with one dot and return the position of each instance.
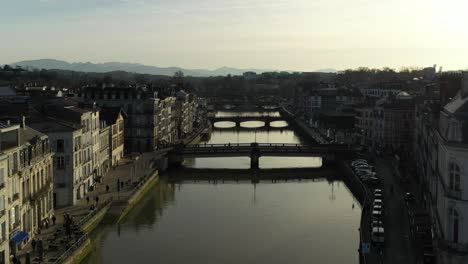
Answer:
(256, 150)
(239, 119)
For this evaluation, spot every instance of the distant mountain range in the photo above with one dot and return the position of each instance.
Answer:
(50, 64)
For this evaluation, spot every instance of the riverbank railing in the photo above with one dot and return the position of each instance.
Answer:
(65, 255)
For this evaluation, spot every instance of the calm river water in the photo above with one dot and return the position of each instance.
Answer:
(200, 222)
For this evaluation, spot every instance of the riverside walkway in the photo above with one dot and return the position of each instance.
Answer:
(55, 241)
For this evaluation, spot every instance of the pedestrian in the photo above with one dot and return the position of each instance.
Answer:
(33, 245)
(97, 200)
(53, 219)
(121, 184)
(118, 185)
(46, 223)
(87, 199)
(107, 188)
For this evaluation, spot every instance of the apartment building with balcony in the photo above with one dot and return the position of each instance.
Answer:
(141, 107)
(26, 185)
(74, 132)
(441, 152)
(114, 117)
(452, 184)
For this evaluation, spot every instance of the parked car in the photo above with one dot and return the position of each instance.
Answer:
(378, 195)
(378, 202)
(362, 172)
(378, 235)
(376, 223)
(409, 197)
(377, 207)
(358, 160)
(363, 166)
(377, 191)
(376, 215)
(372, 181)
(428, 254)
(371, 174)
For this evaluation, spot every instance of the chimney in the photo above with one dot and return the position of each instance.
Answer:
(464, 88)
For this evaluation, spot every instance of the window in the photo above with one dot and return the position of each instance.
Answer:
(60, 162)
(454, 174)
(455, 224)
(2, 204)
(3, 233)
(60, 145)
(2, 176)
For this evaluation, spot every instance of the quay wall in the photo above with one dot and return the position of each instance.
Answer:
(363, 195)
(139, 194)
(299, 127)
(80, 253)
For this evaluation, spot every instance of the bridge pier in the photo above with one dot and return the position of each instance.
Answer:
(255, 157)
(254, 162)
(238, 123)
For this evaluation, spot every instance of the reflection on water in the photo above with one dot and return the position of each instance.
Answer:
(306, 222)
(243, 136)
(199, 222)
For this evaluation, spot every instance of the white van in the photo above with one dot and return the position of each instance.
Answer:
(378, 235)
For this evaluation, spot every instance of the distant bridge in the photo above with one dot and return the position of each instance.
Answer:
(267, 104)
(239, 119)
(258, 129)
(328, 152)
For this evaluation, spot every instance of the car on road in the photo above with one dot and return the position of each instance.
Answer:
(376, 215)
(378, 235)
(377, 207)
(378, 202)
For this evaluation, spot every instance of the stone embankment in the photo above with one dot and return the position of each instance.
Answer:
(107, 201)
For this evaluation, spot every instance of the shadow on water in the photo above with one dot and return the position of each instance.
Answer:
(144, 215)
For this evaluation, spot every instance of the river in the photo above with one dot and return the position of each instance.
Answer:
(238, 222)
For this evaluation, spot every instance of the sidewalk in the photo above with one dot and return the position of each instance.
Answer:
(54, 238)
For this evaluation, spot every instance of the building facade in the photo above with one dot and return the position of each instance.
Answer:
(114, 117)
(26, 180)
(141, 107)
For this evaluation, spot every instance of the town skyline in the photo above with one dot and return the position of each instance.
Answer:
(298, 35)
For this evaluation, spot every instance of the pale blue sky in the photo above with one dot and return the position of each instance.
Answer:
(283, 34)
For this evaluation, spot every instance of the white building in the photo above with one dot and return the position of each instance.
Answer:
(452, 187)
(26, 184)
(74, 134)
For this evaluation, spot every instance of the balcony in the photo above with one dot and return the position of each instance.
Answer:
(455, 194)
(15, 196)
(41, 192)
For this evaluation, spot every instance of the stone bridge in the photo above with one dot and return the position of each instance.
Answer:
(328, 152)
(240, 119)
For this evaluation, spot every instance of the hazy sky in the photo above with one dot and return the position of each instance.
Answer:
(270, 34)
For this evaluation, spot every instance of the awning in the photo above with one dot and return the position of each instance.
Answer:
(19, 236)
